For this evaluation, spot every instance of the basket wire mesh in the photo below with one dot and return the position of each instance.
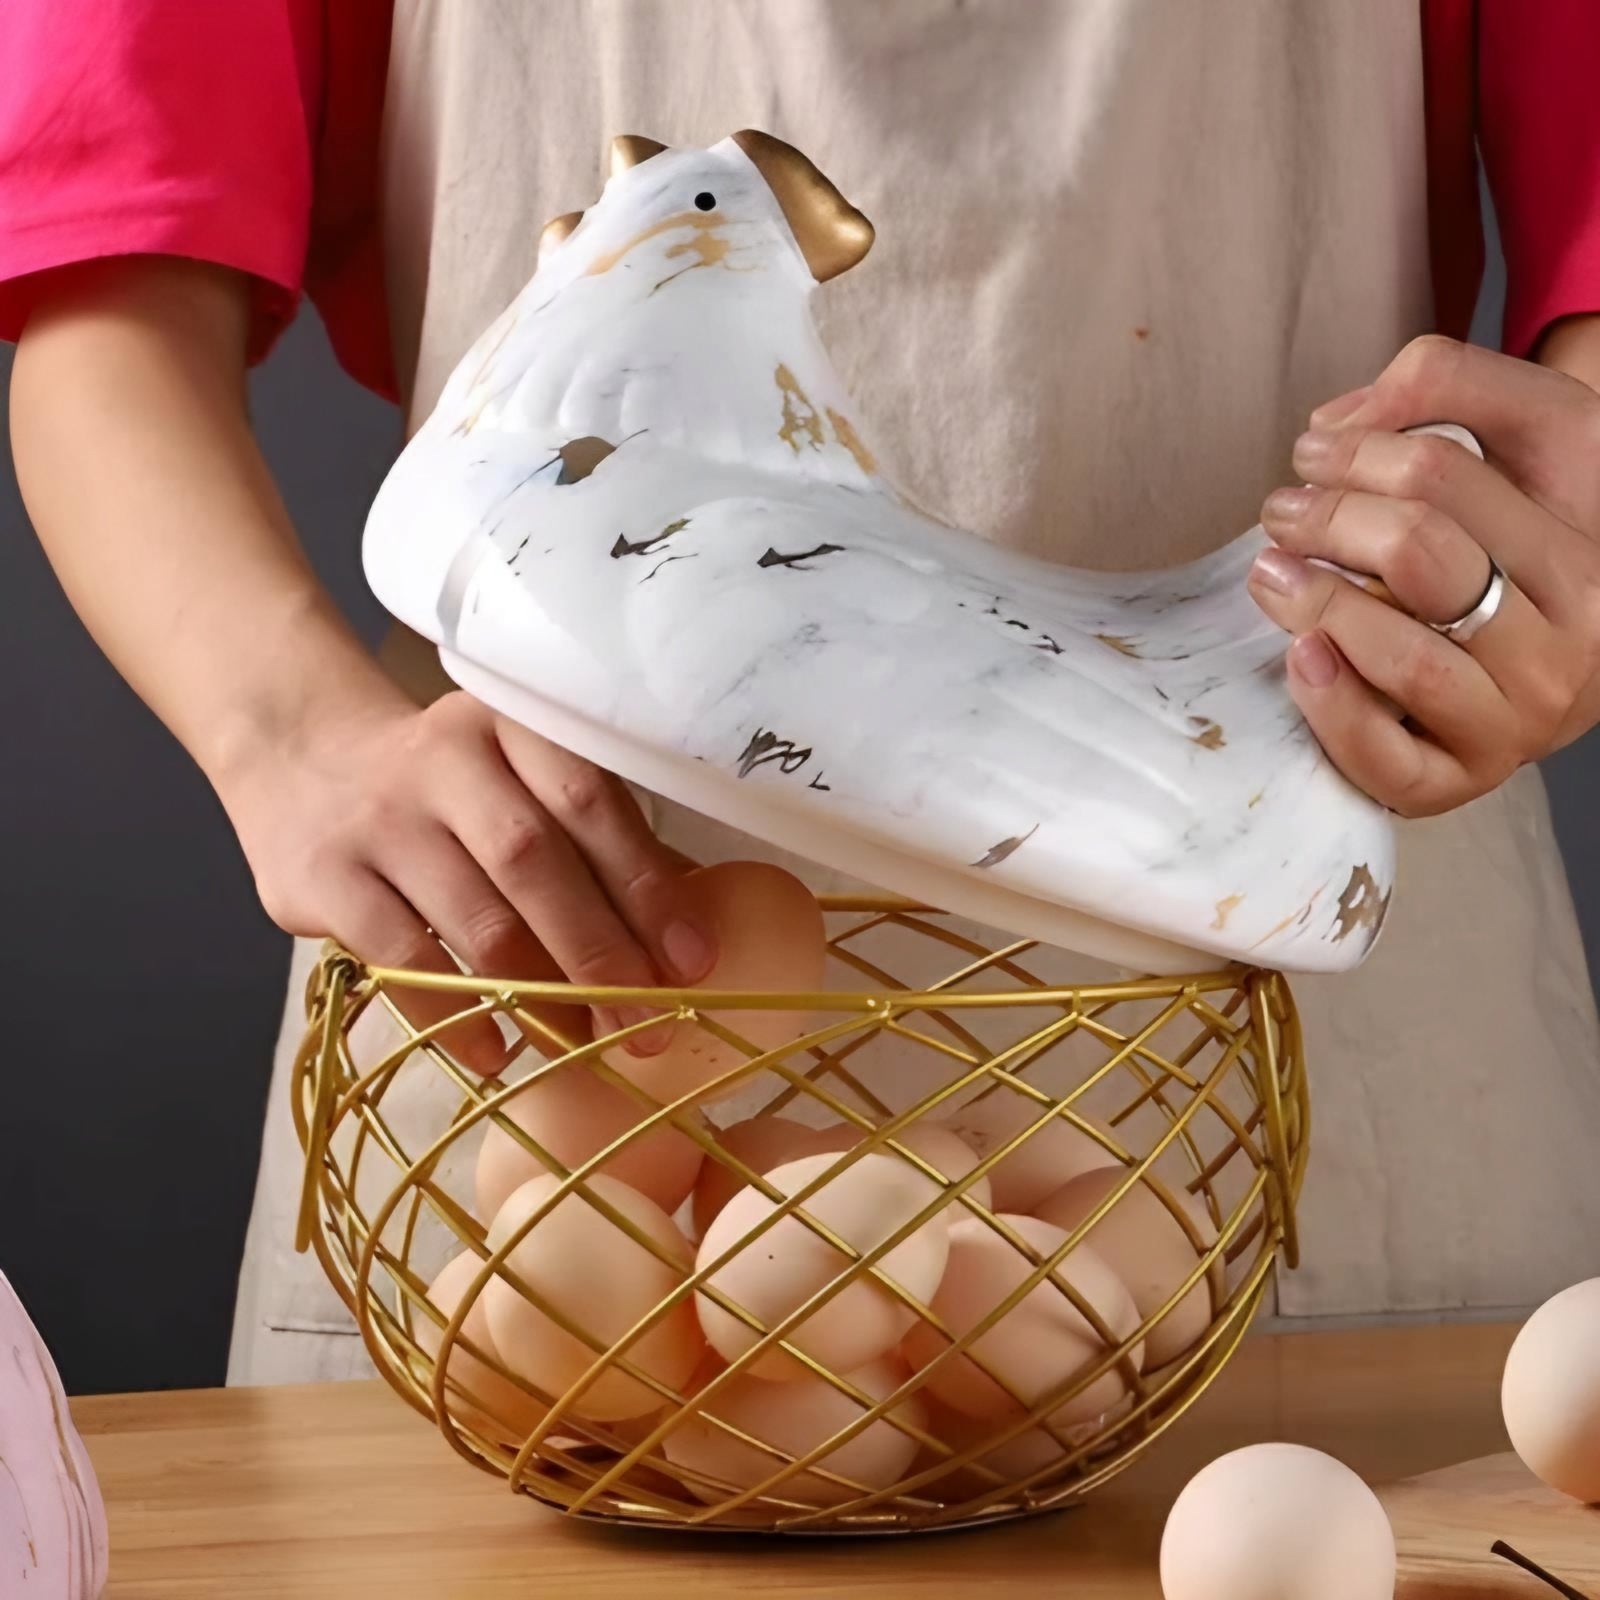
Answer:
(1194, 1086)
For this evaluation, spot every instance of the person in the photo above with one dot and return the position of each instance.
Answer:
(1128, 250)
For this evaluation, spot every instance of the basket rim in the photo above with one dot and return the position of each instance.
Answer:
(890, 908)
(1239, 999)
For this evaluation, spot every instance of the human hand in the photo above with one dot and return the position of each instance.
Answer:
(399, 832)
(1421, 722)
(389, 828)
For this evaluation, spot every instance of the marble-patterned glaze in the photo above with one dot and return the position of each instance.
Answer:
(52, 1521)
(643, 520)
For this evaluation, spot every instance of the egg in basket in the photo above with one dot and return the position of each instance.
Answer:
(911, 1223)
(938, 1237)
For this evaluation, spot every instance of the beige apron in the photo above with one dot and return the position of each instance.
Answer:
(1125, 246)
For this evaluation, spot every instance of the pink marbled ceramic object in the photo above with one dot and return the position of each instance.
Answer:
(52, 1520)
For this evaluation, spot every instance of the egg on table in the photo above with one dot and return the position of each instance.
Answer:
(795, 1418)
(504, 1411)
(774, 1274)
(1277, 1522)
(574, 1114)
(770, 938)
(1051, 1155)
(591, 1272)
(1041, 1344)
(1148, 1249)
(1550, 1394)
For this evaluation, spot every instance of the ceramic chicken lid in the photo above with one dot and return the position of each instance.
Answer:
(644, 520)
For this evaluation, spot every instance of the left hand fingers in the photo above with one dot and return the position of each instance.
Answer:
(1529, 662)
(1435, 572)
(1440, 688)
(1366, 739)
(1426, 559)
(1555, 566)
(1533, 422)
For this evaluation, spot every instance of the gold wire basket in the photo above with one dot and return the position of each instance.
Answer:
(1193, 1086)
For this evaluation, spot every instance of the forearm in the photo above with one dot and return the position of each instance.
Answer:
(137, 464)
(1572, 346)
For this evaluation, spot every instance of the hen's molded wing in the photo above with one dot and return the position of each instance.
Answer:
(642, 520)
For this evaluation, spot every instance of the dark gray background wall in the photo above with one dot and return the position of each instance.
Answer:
(140, 987)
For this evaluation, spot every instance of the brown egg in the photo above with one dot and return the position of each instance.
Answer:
(771, 940)
(1277, 1522)
(574, 1114)
(761, 1143)
(1041, 1343)
(944, 1150)
(1051, 1156)
(777, 1272)
(1149, 1249)
(1550, 1394)
(1033, 1450)
(505, 1412)
(591, 1272)
(795, 1418)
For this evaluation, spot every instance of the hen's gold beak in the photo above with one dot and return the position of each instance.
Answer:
(833, 236)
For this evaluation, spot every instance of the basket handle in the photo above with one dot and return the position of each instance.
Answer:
(314, 1139)
(1263, 1025)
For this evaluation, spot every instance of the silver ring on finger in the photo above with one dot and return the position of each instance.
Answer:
(1481, 615)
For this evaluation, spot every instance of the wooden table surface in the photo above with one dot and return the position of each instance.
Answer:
(341, 1492)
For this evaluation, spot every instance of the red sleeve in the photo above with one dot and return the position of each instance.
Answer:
(344, 261)
(1455, 222)
(1539, 131)
(171, 127)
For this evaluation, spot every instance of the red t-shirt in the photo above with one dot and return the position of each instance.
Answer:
(241, 132)
(246, 133)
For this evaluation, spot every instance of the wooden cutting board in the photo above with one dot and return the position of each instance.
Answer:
(1445, 1522)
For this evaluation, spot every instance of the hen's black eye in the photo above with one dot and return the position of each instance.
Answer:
(705, 200)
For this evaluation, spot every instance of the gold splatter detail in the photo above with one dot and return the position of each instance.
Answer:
(508, 321)
(800, 417)
(68, 1464)
(579, 457)
(705, 242)
(709, 250)
(706, 245)
(1121, 645)
(1256, 799)
(1301, 916)
(1006, 847)
(1361, 906)
(1225, 909)
(1210, 735)
(846, 434)
(471, 420)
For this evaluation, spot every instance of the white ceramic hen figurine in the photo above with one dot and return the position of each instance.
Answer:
(643, 521)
